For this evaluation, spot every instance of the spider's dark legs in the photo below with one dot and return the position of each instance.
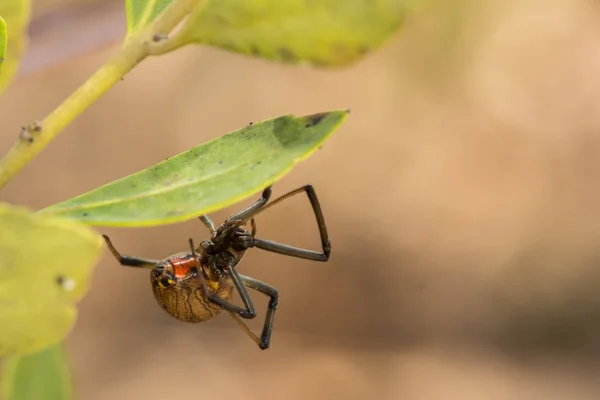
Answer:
(295, 251)
(248, 311)
(252, 209)
(208, 223)
(291, 251)
(127, 260)
(265, 338)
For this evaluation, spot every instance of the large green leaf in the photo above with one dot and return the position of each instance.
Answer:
(205, 178)
(2, 41)
(16, 17)
(141, 12)
(45, 267)
(43, 375)
(323, 33)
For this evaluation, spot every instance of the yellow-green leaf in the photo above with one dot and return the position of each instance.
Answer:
(141, 12)
(2, 41)
(205, 178)
(16, 17)
(43, 375)
(322, 33)
(45, 268)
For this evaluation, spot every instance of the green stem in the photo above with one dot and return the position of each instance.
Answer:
(133, 52)
(168, 45)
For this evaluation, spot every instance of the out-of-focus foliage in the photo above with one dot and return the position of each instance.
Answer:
(43, 375)
(46, 263)
(321, 33)
(16, 16)
(2, 41)
(141, 12)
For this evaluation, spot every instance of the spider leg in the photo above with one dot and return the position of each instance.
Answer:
(127, 260)
(265, 338)
(291, 251)
(245, 328)
(208, 223)
(242, 216)
(247, 311)
(287, 250)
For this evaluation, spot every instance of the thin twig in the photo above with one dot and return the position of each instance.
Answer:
(132, 53)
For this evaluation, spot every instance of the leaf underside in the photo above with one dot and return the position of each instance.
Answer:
(45, 268)
(140, 13)
(2, 41)
(43, 375)
(206, 178)
(16, 17)
(321, 33)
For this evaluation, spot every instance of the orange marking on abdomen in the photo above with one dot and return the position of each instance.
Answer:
(182, 266)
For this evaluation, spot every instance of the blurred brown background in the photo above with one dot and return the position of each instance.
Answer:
(462, 197)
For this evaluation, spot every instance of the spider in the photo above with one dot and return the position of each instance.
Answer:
(197, 285)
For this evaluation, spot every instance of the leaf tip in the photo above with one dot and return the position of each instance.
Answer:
(316, 119)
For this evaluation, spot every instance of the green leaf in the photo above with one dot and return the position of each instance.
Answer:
(43, 375)
(141, 12)
(206, 178)
(322, 33)
(2, 41)
(16, 18)
(45, 268)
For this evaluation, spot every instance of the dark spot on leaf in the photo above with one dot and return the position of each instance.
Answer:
(60, 280)
(343, 53)
(251, 123)
(159, 37)
(286, 54)
(84, 214)
(315, 119)
(259, 162)
(220, 162)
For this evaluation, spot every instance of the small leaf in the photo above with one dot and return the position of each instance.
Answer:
(323, 33)
(142, 12)
(43, 375)
(45, 268)
(2, 41)
(206, 178)
(16, 18)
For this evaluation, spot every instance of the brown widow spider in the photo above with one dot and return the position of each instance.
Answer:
(197, 285)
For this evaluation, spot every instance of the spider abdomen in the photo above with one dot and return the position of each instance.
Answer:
(186, 298)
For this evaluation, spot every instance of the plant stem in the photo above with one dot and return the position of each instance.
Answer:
(133, 52)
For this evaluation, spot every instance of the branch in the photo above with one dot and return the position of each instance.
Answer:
(35, 137)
